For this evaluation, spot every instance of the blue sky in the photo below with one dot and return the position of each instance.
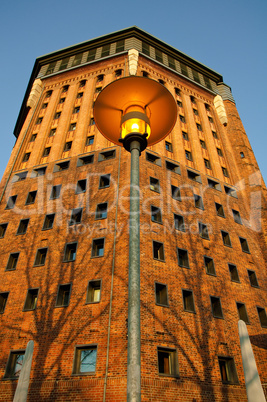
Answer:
(229, 37)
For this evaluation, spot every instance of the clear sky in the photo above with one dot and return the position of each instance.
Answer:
(230, 37)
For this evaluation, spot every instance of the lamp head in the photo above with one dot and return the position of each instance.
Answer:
(135, 105)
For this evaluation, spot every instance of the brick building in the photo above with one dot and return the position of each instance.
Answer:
(64, 235)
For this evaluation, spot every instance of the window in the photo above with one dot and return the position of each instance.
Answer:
(76, 216)
(196, 76)
(85, 360)
(179, 223)
(12, 261)
(244, 245)
(101, 211)
(89, 140)
(19, 176)
(85, 160)
(161, 82)
(198, 201)
(214, 184)
(219, 210)
(64, 63)
(168, 362)
(91, 54)
(228, 370)
(48, 221)
(92, 121)
(176, 193)
(98, 90)
(26, 157)
(120, 46)
(40, 257)
(118, 73)
(104, 181)
(158, 56)
(262, 316)
(38, 172)
(158, 251)
(225, 171)
(161, 294)
(237, 217)
(188, 155)
(63, 295)
(67, 146)
(184, 69)
(154, 184)
(14, 364)
(22, 229)
(203, 230)
(77, 60)
(52, 132)
(183, 260)
(31, 299)
(199, 127)
(226, 239)
(216, 307)
(105, 51)
(145, 74)
(195, 111)
(242, 312)
(3, 228)
(203, 144)
(230, 191)
(93, 292)
(168, 146)
(46, 151)
(177, 91)
(207, 163)
(188, 300)
(182, 118)
(253, 278)
(242, 155)
(72, 127)
(61, 100)
(104, 156)
(33, 138)
(57, 115)
(48, 93)
(70, 252)
(179, 103)
(79, 95)
(173, 167)
(156, 214)
(39, 120)
(61, 166)
(207, 82)
(219, 151)
(65, 88)
(3, 301)
(98, 247)
(171, 62)
(233, 273)
(83, 82)
(215, 135)
(194, 176)
(81, 186)
(207, 107)
(210, 119)
(209, 265)
(153, 158)
(55, 192)
(11, 202)
(185, 135)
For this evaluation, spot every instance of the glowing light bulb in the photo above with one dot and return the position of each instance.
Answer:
(135, 126)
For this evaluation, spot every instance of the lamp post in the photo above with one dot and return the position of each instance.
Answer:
(134, 112)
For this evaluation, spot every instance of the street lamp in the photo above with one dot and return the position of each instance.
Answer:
(134, 112)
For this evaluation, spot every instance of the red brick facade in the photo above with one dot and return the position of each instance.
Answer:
(197, 337)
